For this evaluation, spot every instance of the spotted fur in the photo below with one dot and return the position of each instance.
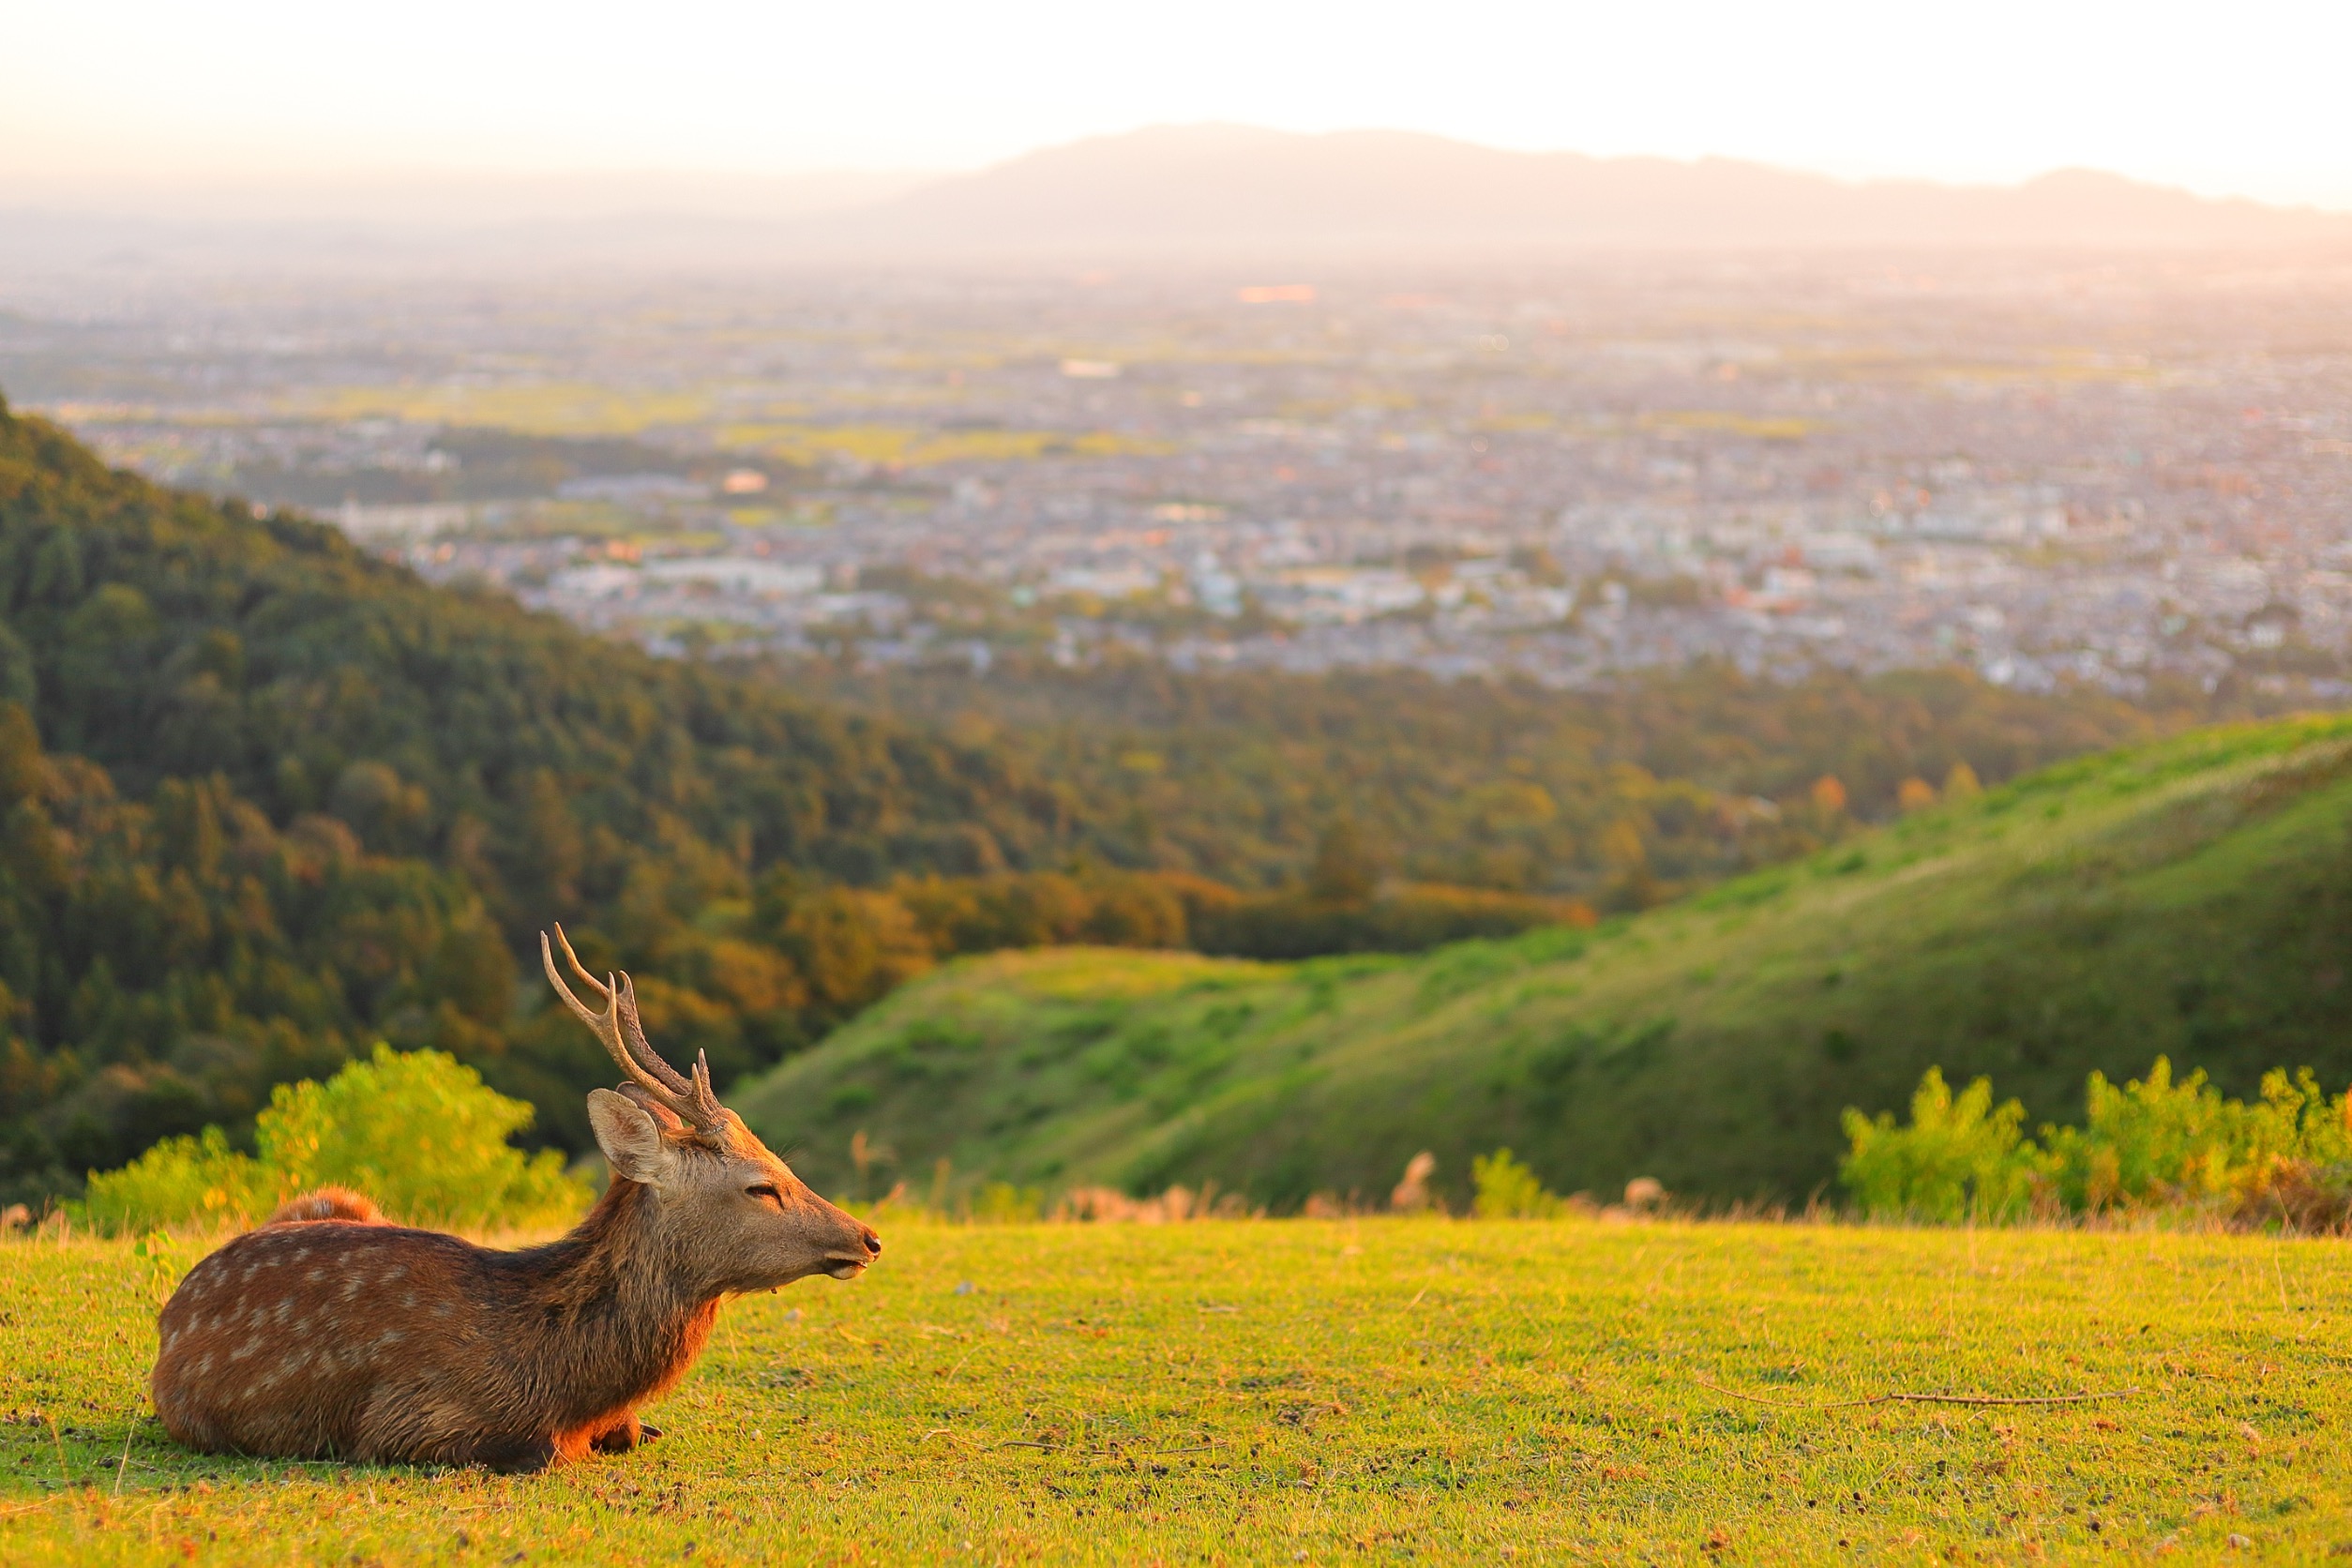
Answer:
(331, 1333)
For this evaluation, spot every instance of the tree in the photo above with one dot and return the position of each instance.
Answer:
(1346, 870)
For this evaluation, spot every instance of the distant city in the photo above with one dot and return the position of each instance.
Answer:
(2051, 470)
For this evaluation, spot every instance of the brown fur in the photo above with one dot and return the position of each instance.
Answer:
(327, 1203)
(327, 1334)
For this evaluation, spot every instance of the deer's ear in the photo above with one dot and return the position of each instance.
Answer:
(628, 1138)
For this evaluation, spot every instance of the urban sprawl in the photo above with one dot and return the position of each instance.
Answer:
(2050, 472)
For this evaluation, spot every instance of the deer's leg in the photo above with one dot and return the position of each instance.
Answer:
(623, 1435)
(516, 1456)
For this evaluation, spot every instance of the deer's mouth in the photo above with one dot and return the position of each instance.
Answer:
(845, 1268)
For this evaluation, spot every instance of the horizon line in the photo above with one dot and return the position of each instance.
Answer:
(27, 190)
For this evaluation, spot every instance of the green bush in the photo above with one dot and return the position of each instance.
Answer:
(1960, 1158)
(417, 1132)
(197, 1181)
(1509, 1190)
(2154, 1146)
(2160, 1144)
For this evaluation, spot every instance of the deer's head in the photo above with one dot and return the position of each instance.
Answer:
(733, 1213)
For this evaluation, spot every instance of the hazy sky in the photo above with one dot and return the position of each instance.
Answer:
(2248, 96)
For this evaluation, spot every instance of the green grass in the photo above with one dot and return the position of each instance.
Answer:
(1322, 1391)
(2192, 898)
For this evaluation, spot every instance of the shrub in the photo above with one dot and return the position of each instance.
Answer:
(1509, 1190)
(2153, 1146)
(195, 1180)
(418, 1132)
(1959, 1159)
(2155, 1143)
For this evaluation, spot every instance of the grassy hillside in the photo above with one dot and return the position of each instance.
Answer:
(1354, 1392)
(2192, 898)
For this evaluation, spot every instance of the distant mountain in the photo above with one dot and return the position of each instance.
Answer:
(1232, 188)
(1168, 191)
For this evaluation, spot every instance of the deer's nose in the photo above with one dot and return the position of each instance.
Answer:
(873, 1245)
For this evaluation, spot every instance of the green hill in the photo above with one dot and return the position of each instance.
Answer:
(2192, 899)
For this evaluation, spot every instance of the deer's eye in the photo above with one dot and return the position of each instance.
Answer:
(766, 1190)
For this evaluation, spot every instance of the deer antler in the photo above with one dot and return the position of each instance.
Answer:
(631, 1028)
(624, 1039)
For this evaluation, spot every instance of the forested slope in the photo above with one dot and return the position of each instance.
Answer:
(266, 797)
(1623, 796)
(2192, 898)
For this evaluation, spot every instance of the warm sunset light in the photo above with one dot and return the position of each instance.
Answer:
(2245, 99)
(1220, 784)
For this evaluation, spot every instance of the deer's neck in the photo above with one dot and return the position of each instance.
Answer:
(613, 1307)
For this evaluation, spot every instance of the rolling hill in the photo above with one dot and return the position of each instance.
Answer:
(1168, 192)
(1222, 188)
(2192, 898)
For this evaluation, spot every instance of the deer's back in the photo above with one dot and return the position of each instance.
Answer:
(331, 1338)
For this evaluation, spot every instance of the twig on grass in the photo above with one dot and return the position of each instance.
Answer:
(124, 1463)
(1893, 1398)
(1113, 1452)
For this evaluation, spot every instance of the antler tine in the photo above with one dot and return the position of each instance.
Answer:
(606, 1027)
(572, 959)
(624, 999)
(705, 1101)
(635, 1030)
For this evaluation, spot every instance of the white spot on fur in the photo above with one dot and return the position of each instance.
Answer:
(408, 1298)
(314, 1275)
(350, 1287)
(389, 1336)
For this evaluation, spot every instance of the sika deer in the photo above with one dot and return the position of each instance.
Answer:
(331, 1334)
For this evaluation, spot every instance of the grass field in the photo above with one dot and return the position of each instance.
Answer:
(1323, 1391)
